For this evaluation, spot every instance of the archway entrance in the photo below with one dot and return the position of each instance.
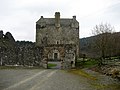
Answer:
(53, 55)
(55, 61)
(57, 56)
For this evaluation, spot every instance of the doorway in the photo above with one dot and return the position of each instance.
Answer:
(55, 56)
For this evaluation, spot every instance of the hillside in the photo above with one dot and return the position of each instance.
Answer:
(87, 45)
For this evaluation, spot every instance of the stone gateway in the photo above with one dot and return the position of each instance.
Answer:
(59, 38)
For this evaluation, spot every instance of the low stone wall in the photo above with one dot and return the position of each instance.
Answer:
(111, 70)
(25, 56)
(114, 62)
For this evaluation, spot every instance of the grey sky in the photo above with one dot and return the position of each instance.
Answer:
(19, 16)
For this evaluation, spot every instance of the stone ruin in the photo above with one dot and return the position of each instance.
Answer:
(21, 53)
(57, 39)
(7, 47)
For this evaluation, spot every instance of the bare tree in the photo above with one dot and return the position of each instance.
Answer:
(103, 41)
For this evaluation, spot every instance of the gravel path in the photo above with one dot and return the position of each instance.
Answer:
(48, 79)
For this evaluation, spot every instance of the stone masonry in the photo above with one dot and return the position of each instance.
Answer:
(59, 38)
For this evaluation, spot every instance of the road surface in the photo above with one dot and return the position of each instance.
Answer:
(48, 79)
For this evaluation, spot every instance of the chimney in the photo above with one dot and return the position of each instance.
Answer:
(41, 16)
(74, 18)
(57, 19)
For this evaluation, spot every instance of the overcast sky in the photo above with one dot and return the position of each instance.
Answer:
(19, 16)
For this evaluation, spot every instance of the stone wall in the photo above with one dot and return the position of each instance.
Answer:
(7, 48)
(22, 53)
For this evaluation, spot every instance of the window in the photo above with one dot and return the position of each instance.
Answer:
(57, 42)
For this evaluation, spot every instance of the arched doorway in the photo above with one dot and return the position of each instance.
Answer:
(54, 59)
(53, 56)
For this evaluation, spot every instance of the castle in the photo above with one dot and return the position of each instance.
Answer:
(59, 38)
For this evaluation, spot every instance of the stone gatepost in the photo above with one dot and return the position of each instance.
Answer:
(45, 63)
(69, 59)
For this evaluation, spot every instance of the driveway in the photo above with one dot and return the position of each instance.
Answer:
(51, 79)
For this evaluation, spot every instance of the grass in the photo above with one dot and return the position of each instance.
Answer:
(87, 64)
(50, 65)
(18, 67)
(94, 81)
(83, 74)
(90, 63)
(108, 86)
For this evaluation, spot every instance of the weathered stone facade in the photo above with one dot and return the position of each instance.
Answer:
(59, 38)
(18, 53)
(7, 49)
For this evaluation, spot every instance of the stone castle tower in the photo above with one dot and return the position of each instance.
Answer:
(58, 36)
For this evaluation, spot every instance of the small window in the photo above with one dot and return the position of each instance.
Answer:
(57, 42)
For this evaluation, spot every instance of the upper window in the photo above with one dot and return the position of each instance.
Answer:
(57, 42)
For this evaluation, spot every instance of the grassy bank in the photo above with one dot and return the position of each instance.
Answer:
(83, 74)
(86, 63)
